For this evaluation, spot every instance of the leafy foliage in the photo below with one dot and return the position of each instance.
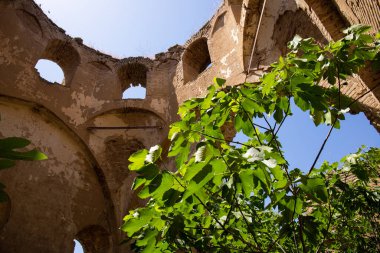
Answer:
(10, 152)
(244, 197)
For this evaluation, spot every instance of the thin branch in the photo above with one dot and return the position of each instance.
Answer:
(293, 221)
(238, 206)
(328, 134)
(221, 139)
(364, 94)
(232, 206)
(331, 213)
(322, 147)
(281, 123)
(274, 137)
(339, 90)
(216, 220)
(301, 234)
(250, 120)
(243, 95)
(249, 227)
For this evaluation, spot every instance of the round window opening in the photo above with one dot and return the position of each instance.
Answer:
(50, 71)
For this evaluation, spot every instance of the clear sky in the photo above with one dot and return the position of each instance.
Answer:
(126, 28)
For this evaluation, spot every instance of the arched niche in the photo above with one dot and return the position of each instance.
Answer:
(292, 23)
(195, 59)
(236, 7)
(219, 22)
(121, 132)
(65, 55)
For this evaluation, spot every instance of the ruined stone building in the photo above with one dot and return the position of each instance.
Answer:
(88, 131)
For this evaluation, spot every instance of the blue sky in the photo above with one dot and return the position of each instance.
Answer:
(124, 28)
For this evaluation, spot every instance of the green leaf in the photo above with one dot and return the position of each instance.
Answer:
(316, 187)
(193, 169)
(246, 178)
(148, 240)
(183, 154)
(13, 143)
(177, 142)
(138, 182)
(148, 171)
(292, 205)
(199, 180)
(170, 197)
(269, 80)
(136, 220)
(137, 159)
(263, 176)
(278, 115)
(32, 155)
(219, 82)
(251, 107)
(219, 168)
(357, 29)
(302, 104)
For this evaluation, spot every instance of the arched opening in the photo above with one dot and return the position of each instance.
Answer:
(195, 60)
(50, 71)
(135, 92)
(65, 56)
(133, 79)
(78, 248)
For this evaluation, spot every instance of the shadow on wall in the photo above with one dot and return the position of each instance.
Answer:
(93, 239)
(195, 60)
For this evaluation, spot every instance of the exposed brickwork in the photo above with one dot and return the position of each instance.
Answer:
(83, 190)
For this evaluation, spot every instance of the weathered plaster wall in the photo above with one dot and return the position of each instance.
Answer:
(53, 200)
(88, 130)
(90, 97)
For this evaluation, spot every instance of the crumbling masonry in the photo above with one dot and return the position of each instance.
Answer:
(88, 130)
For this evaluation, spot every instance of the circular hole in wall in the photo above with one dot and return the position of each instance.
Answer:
(50, 71)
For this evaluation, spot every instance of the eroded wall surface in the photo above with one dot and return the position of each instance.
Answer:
(88, 130)
(231, 32)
